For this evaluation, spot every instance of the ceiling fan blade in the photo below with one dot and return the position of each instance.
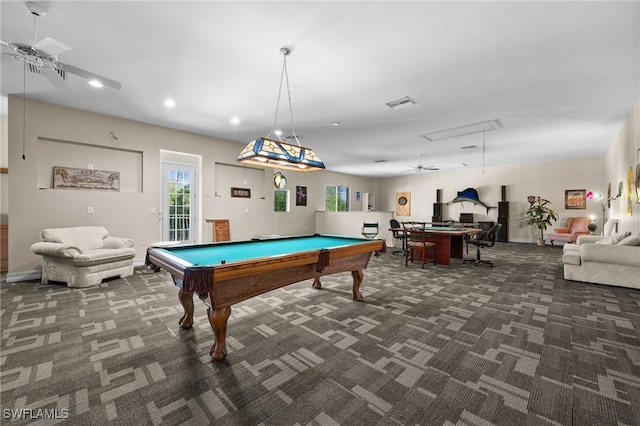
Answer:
(51, 47)
(90, 76)
(56, 79)
(4, 43)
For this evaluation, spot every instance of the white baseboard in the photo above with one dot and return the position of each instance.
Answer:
(13, 277)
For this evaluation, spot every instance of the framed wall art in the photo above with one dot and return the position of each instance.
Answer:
(301, 195)
(575, 199)
(403, 203)
(638, 177)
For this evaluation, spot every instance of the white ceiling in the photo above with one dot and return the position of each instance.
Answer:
(560, 76)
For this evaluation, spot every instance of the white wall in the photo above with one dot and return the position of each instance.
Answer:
(548, 180)
(624, 154)
(127, 213)
(4, 178)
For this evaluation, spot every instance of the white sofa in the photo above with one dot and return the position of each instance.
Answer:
(612, 260)
(83, 256)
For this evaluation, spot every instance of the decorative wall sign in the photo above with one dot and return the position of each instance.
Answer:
(575, 199)
(72, 178)
(241, 192)
(403, 203)
(301, 195)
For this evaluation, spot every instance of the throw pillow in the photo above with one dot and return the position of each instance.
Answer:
(605, 241)
(614, 239)
(631, 240)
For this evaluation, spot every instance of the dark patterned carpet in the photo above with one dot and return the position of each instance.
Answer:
(448, 345)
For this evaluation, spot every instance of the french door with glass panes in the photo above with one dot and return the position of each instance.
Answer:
(178, 219)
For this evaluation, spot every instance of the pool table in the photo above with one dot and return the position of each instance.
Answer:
(232, 271)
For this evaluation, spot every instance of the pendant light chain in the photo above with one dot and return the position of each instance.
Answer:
(275, 118)
(483, 149)
(284, 77)
(286, 74)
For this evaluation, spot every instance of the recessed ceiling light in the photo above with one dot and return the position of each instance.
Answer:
(95, 83)
(235, 120)
(336, 123)
(278, 133)
(169, 103)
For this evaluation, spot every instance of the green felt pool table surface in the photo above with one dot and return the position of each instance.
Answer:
(217, 254)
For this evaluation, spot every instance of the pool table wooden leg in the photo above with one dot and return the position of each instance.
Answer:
(218, 319)
(186, 300)
(317, 283)
(357, 280)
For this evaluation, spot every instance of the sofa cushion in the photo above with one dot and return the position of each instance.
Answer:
(83, 237)
(96, 257)
(614, 239)
(630, 240)
(610, 254)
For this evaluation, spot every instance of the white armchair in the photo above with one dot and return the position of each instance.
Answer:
(83, 256)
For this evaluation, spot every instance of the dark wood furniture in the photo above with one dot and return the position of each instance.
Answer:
(419, 248)
(230, 272)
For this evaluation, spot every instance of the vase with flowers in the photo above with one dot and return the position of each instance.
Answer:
(539, 214)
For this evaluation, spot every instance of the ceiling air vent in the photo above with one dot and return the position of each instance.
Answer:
(401, 103)
(467, 129)
(380, 161)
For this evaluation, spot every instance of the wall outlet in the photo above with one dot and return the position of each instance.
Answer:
(89, 210)
(153, 210)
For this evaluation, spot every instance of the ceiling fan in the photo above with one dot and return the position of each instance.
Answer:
(42, 58)
(419, 168)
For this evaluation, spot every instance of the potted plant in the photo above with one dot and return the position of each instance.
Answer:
(540, 215)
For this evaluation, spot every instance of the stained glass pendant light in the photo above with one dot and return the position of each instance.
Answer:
(268, 152)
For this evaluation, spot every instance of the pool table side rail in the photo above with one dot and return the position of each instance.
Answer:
(203, 279)
(237, 289)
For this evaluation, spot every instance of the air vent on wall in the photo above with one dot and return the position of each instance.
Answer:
(401, 103)
(467, 129)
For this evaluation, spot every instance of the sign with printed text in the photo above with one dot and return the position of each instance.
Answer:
(73, 178)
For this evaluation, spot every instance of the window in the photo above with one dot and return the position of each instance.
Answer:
(281, 200)
(336, 198)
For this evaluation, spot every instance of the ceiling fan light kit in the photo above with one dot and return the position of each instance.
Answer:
(267, 152)
(420, 168)
(42, 58)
